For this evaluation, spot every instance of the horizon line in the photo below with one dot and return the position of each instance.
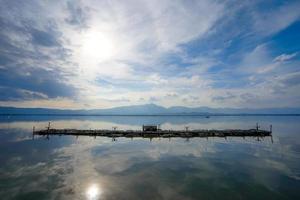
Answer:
(179, 115)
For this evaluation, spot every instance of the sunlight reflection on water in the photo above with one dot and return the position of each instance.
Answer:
(93, 192)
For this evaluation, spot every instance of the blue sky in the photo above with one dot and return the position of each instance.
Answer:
(99, 54)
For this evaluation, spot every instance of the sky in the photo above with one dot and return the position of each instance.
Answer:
(99, 54)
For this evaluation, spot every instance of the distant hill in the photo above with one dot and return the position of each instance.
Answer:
(150, 109)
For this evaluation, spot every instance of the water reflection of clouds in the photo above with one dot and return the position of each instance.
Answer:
(122, 168)
(109, 160)
(138, 168)
(83, 175)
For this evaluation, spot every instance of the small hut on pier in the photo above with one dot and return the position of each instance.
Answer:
(150, 128)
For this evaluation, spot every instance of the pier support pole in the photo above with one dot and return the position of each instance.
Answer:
(271, 128)
(272, 139)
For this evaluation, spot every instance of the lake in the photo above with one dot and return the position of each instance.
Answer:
(66, 167)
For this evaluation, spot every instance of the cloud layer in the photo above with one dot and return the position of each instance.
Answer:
(95, 54)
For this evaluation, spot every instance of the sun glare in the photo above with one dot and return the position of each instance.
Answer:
(97, 46)
(93, 192)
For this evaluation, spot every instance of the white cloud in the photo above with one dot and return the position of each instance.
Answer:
(260, 60)
(285, 57)
(256, 59)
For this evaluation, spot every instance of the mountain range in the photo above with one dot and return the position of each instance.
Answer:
(150, 109)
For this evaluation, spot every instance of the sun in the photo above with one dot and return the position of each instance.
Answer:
(97, 46)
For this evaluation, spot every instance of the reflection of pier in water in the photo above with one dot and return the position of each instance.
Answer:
(154, 131)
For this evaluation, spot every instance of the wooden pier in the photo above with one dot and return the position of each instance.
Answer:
(151, 132)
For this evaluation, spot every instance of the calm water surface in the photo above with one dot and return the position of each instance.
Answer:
(67, 167)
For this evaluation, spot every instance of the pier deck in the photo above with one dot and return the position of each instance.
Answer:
(158, 133)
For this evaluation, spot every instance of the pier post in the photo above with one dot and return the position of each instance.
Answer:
(257, 127)
(271, 128)
(33, 130)
(186, 128)
(48, 128)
